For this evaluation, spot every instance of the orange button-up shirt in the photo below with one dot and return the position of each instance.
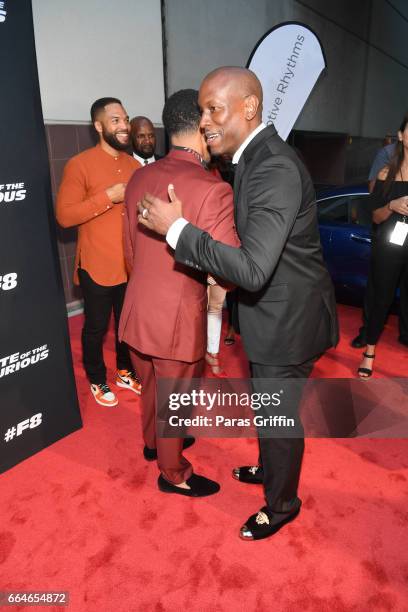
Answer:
(82, 200)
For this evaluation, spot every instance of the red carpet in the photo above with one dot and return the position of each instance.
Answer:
(85, 516)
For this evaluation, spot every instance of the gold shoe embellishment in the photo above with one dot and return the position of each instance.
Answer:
(262, 518)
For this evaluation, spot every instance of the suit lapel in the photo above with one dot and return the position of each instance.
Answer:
(247, 155)
(239, 213)
(250, 150)
(239, 171)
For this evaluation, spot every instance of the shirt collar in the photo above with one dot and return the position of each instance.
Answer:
(246, 142)
(141, 160)
(193, 153)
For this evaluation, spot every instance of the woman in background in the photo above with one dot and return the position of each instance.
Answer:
(389, 255)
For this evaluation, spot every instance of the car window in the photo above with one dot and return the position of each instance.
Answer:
(334, 209)
(360, 211)
(345, 209)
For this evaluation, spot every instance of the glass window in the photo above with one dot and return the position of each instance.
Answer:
(360, 211)
(335, 210)
(345, 209)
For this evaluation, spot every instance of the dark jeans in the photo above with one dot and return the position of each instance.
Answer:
(281, 458)
(99, 301)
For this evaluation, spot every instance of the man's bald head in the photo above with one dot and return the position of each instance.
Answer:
(242, 81)
(231, 102)
(139, 120)
(143, 136)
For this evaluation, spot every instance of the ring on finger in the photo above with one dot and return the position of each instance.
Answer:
(145, 213)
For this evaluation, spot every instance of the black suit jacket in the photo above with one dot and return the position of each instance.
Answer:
(286, 304)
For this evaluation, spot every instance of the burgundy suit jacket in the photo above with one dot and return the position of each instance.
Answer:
(165, 309)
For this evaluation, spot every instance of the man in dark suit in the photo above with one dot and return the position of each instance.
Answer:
(164, 314)
(143, 138)
(286, 307)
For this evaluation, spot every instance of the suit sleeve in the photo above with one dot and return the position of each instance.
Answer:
(73, 204)
(274, 196)
(216, 215)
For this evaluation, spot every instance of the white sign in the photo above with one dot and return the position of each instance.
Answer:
(288, 62)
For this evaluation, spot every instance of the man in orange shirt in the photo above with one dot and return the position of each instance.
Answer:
(91, 196)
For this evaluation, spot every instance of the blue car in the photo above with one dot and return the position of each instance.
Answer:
(345, 230)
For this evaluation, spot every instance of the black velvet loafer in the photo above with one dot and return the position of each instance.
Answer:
(150, 454)
(251, 474)
(200, 486)
(265, 523)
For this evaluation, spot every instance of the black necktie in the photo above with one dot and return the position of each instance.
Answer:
(146, 162)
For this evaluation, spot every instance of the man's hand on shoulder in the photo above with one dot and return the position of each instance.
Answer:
(158, 215)
(116, 193)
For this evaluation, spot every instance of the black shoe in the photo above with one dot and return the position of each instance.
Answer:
(200, 486)
(403, 340)
(366, 372)
(150, 454)
(251, 474)
(359, 341)
(265, 523)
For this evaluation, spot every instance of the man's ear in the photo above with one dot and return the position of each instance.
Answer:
(98, 126)
(251, 107)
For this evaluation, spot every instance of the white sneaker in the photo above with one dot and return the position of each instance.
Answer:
(103, 395)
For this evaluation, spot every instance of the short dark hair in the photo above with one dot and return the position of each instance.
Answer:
(181, 112)
(99, 105)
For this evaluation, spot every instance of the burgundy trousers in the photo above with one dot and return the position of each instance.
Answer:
(174, 467)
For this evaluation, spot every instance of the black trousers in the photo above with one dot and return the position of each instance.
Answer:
(403, 304)
(389, 267)
(99, 301)
(281, 458)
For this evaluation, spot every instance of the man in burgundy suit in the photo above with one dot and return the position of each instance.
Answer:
(165, 310)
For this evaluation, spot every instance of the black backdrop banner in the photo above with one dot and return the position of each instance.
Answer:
(38, 400)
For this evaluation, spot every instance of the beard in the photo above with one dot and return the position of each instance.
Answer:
(111, 140)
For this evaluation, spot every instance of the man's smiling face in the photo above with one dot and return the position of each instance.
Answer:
(223, 115)
(115, 127)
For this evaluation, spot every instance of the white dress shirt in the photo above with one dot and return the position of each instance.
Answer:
(246, 142)
(177, 227)
(142, 160)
